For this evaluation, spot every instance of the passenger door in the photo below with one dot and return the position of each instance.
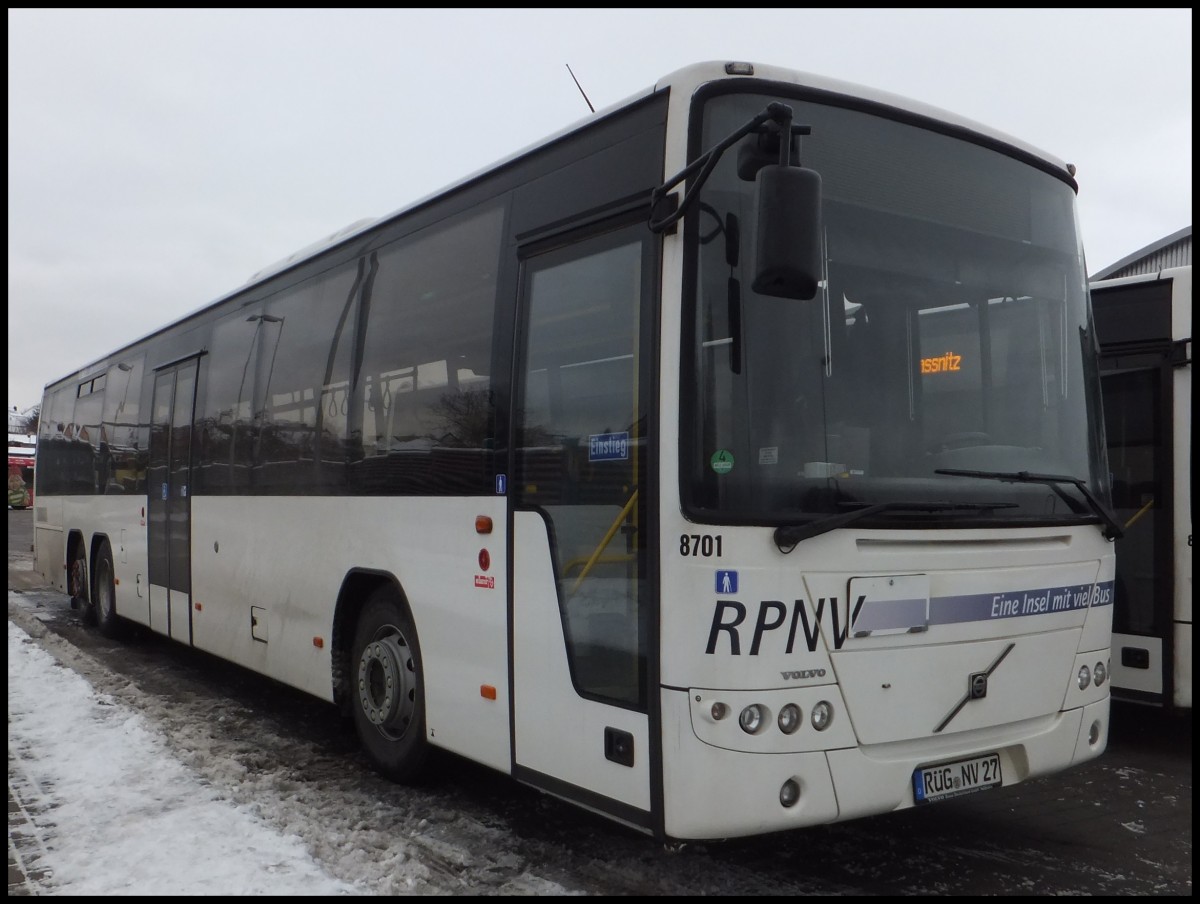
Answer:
(169, 504)
(1139, 461)
(582, 595)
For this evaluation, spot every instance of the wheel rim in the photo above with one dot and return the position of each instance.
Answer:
(387, 683)
(79, 579)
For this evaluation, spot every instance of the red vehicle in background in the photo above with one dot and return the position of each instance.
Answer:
(21, 453)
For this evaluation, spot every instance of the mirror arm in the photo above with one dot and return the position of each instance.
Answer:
(776, 112)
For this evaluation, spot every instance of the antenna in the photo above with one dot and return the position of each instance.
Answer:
(580, 87)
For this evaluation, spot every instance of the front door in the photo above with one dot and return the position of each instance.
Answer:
(582, 595)
(169, 509)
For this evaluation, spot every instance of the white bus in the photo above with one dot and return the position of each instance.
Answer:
(729, 462)
(1145, 328)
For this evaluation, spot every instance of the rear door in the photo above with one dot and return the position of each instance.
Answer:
(169, 506)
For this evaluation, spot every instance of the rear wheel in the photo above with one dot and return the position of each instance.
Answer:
(104, 594)
(77, 584)
(388, 697)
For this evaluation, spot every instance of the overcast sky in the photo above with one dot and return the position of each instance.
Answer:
(158, 158)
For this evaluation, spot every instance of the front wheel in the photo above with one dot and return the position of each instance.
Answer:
(388, 687)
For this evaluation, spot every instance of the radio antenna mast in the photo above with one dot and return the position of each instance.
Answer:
(580, 87)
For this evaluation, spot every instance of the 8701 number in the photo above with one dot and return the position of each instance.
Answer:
(706, 545)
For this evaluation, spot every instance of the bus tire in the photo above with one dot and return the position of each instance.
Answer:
(387, 687)
(104, 594)
(77, 584)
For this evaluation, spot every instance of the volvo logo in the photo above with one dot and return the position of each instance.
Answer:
(802, 674)
(977, 684)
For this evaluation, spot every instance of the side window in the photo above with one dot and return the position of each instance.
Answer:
(122, 464)
(56, 453)
(422, 417)
(225, 436)
(302, 385)
(84, 434)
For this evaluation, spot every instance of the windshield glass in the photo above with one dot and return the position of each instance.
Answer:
(952, 331)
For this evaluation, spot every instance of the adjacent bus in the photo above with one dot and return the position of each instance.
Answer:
(22, 451)
(729, 462)
(1145, 328)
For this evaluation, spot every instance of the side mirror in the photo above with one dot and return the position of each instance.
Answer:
(787, 238)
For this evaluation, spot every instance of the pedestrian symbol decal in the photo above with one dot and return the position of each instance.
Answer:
(727, 582)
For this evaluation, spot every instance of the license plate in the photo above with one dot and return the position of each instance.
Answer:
(946, 780)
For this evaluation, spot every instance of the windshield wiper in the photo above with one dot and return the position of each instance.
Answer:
(787, 536)
(1112, 528)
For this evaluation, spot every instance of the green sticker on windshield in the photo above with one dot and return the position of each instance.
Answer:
(722, 461)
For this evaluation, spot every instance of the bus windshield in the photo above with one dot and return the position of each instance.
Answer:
(951, 332)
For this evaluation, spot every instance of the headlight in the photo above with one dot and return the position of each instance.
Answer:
(789, 793)
(789, 718)
(719, 711)
(1084, 677)
(751, 718)
(822, 715)
(1099, 673)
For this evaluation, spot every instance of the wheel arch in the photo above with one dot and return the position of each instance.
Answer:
(98, 540)
(74, 541)
(357, 586)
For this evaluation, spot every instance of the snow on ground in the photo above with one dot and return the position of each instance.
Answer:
(92, 770)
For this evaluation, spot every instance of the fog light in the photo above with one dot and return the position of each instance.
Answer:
(1099, 674)
(719, 711)
(1084, 677)
(822, 715)
(751, 718)
(789, 793)
(1094, 733)
(789, 718)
